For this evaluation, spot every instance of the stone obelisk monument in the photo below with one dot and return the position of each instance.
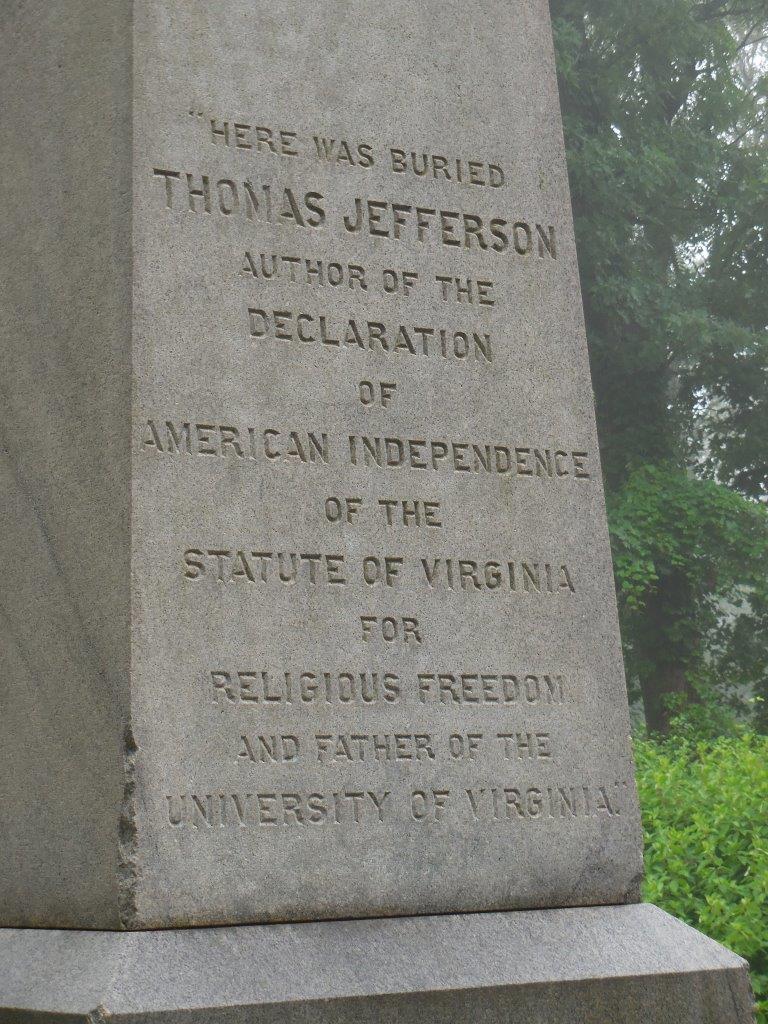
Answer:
(313, 695)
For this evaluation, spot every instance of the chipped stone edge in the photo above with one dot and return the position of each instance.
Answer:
(128, 867)
(127, 832)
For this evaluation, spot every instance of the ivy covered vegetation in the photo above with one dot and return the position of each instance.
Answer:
(705, 816)
(665, 106)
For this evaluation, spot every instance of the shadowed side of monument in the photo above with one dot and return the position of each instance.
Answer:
(65, 394)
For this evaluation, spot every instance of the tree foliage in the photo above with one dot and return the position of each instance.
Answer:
(665, 105)
(690, 560)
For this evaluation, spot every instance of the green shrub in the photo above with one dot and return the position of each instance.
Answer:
(705, 817)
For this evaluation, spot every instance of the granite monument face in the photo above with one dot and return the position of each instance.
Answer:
(341, 438)
(308, 609)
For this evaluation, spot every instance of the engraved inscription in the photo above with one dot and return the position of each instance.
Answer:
(396, 588)
(513, 805)
(195, 192)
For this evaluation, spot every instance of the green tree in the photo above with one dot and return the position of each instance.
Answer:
(691, 563)
(665, 105)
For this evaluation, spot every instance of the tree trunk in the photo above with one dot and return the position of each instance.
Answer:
(655, 692)
(665, 655)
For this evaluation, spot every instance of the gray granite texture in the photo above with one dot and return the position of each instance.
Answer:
(604, 965)
(307, 605)
(65, 372)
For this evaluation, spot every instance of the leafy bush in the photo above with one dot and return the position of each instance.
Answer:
(705, 816)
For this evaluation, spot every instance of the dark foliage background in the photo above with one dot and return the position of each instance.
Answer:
(665, 105)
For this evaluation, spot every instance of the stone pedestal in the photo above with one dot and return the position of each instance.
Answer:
(600, 965)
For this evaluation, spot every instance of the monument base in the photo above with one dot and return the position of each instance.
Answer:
(598, 965)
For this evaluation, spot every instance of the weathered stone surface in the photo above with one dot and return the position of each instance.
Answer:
(607, 964)
(310, 611)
